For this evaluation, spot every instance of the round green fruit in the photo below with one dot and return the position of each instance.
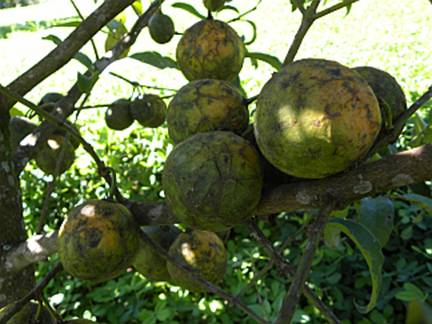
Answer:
(32, 312)
(161, 28)
(206, 105)
(315, 118)
(56, 155)
(210, 49)
(50, 97)
(149, 111)
(213, 181)
(214, 5)
(389, 93)
(203, 251)
(148, 261)
(118, 115)
(98, 240)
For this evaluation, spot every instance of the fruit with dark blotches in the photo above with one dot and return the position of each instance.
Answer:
(118, 115)
(210, 49)
(149, 111)
(206, 105)
(213, 181)
(56, 155)
(161, 28)
(32, 312)
(315, 118)
(19, 128)
(148, 261)
(214, 5)
(98, 240)
(202, 250)
(389, 93)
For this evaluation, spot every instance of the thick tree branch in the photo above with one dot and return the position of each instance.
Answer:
(368, 179)
(66, 50)
(291, 299)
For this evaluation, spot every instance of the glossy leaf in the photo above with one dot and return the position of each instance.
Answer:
(155, 59)
(370, 247)
(377, 215)
(267, 58)
(189, 8)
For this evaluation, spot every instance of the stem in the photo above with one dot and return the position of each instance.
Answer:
(331, 9)
(44, 211)
(285, 267)
(296, 287)
(12, 310)
(211, 287)
(137, 84)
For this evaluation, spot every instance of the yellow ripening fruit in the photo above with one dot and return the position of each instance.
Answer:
(210, 49)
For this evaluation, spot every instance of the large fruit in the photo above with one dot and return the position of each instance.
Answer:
(389, 93)
(98, 240)
(19, 128)
(118, 115)
(149, 111)
(206, 105)
(214, 5)
(148, 261)
(315, 118)
(32, 313)
(56, 155)
(210, 49)
(161, 28)
(213, 180)
(201, 250)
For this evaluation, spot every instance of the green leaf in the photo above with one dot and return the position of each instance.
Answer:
(267, 58)
(71, 23)
(232, 8)
(331, 236)
(410, 292)
(418, 312)
(14, 112)
(254, 31)
(189, 8)
(137, 7)
(424, 202)
(377, 215)
(86, 83)
(155, 59)
(370, 247)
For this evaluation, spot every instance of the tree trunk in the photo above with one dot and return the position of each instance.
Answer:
(12, 232)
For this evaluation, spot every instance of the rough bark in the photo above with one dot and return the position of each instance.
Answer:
(12, 286)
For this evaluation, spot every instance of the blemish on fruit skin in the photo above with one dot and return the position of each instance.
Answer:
(402, 179)
(363, 187)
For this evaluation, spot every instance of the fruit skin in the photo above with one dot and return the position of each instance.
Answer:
(315, 118)
(161, 28)
(210, 49)
(56, 149)
(118, 115)
(32, 312)
(214, 5)
(213, 181)
(50, 97)
(98, 240)
(203, 251)
(19, 128)
(149, 111)
(389, 93)
(147, 260)
(206, 105)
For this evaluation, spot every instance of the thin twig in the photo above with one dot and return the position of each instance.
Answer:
(78, 11)
(246, 12)
(193, 273)
(334, 8)
(12, 310)
(250, 100)
(287, 268)
(48, 192)
(398, 124)
(291, 299)
(256, 277)
(137, 84)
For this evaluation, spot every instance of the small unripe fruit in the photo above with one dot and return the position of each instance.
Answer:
(118, 115)
(214, 5)
(161, 28)
(149, 111)
(56, 155)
